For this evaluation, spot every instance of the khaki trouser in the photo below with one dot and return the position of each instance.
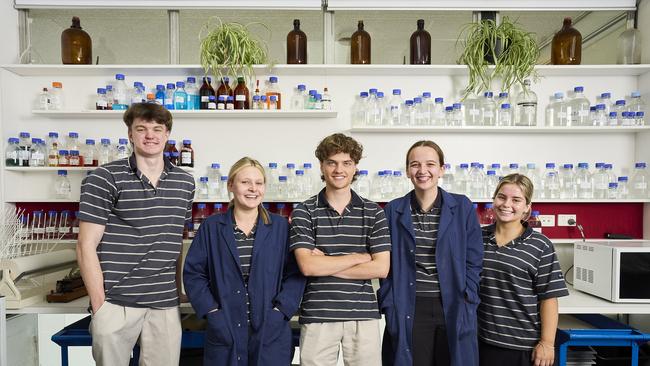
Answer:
(319, 343)
(115, 329)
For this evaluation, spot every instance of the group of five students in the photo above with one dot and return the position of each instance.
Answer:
(451, 293)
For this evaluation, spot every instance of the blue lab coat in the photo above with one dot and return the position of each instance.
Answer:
(213, 280)
(459, 259)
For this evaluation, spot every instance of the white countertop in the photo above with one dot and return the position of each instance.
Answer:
(576, 303)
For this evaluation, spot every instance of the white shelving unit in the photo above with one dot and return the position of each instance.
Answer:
(503, 130)
(201, 114)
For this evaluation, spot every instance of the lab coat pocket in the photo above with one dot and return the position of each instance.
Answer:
(276, 327)
(218, 331)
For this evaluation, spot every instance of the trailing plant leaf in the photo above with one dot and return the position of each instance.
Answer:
(513, 50)
(231, 47)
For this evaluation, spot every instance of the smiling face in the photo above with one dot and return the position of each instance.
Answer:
(510, 204)
(338, 171)
(424, 168)
(247, 188)
(148, 138)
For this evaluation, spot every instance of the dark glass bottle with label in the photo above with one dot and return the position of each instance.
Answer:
(76, 45)
(296, 45)
(224, 89)
(242, 97)
(420, 46)
(205, 92)
(360, 46)
(566, 48)
(187, 154)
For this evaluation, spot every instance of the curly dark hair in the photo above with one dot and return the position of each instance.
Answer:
(339, 143)
(148, 112)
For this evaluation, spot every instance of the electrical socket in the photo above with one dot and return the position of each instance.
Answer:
(547, 220)
(563, 220)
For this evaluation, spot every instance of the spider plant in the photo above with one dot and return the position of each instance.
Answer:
(232, 48)
(513, 51)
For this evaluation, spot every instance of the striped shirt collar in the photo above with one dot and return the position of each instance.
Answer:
(415, 205)
(528, 232)
(355, 201)
(133, 164)
(236, 228)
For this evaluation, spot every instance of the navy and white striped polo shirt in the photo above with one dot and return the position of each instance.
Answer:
(143, 230)
(515, 278)
(362, 228)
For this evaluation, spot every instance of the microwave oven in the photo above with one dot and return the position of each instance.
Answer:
(616, 270)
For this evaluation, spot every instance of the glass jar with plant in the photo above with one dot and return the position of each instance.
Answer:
(231, 47)
(513, 50)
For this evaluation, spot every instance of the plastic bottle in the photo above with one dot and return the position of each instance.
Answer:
(37, 153)
(395, 103)
(101, 104)
(601, 119)
(461, 179)
(505, 115)
(298, 98)
(327, 100)
(473, 115)
(105, 153)
(62, 188)
(122, 149)
(378, 111)
(169, 96)
(408, 114)
(629, 46)
(439, 117)
(428, 107)
(193, 97)
(218, 208)
(312, 178)
(44, 100)
(584, 182)
(274, 90)
(12, 152)
(203, 188)
(120, 93)
(255, 105)
(447, 181)
(457, 116)
(360, 115)
(137, 93)
(491, 183)
(110, 96)
(613, 119)
(579, 108)
(551, 182)
(160, 94)
(64, 158)
(387, 185)
(180, 96)
(25, 148)
(637, 104)
(273, 102)
(600, 181)
(639, 119)
(502, 99)
(223, 188)
(533, 174)
(623, 192)
(214, 175)
(362, 185)
(205, 92)
(56, 96)
(488, 109)
(534, 221)
(527, 106)
(568, 186)
(560, 111)
(639, 181)
(620, 107)
(476, 182)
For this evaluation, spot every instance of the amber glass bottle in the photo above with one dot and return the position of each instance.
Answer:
(242, 97)
(360, 46)
(566, 48)
(76, 45)
(296, 45)
(420, 46)
(224, 89)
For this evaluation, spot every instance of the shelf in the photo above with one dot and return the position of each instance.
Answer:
(314, 69)
(94, 114)
(173, 5)
(503, 130)
(479, 5)
(481, 200)
(69, 169)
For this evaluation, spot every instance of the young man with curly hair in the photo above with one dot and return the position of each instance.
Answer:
(341, 242)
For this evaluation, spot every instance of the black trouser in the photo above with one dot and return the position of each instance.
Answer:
(430, 345)
(490, 355)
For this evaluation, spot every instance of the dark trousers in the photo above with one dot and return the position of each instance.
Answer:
(430, 344)
(490, 355)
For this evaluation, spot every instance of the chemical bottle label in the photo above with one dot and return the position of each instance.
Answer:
(186, 158)
(240, 98)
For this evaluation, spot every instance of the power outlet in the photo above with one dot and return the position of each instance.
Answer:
(563, 220)
(547, 220)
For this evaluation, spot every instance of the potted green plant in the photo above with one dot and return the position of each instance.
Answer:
(514, 53)
(231, 47)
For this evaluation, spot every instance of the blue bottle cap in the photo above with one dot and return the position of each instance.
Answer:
(224, 178)
(180, 84)
(302, 87)
(191, 79)
(90, 142)
(171, 86)
(397, 92)
(160, 87)
(62, 172)
(273, 79)
(187, 142)
(363, 94)
(119, 76)
(426, 94)
(307, 165)
(439, 100)
(605, 95)
(215, 166)
(578, 89)
(101, 91)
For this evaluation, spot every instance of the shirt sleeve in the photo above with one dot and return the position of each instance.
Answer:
(301, 232)
(188, 214)
(379, 240)
(549, 280)
(98, 195)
